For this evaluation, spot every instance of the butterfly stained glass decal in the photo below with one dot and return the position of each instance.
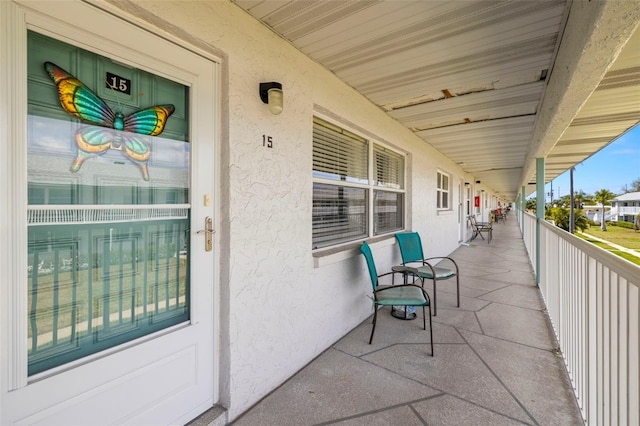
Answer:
(117, 131)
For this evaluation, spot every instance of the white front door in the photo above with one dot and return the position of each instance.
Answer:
(108, 282)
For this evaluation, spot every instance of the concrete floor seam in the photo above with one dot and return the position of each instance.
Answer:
(515, 398)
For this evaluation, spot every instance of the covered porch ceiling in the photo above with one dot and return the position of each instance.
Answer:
(493, 85)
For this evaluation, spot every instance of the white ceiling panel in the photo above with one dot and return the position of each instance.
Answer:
(468, 77)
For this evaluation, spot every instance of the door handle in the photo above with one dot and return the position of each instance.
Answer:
(208, 233)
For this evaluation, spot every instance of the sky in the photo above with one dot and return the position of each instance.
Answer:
(611, 168)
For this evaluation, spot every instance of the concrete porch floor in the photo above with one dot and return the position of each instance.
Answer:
(495, 362)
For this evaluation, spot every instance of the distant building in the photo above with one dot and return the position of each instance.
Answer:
(594, 212)
(626, 207)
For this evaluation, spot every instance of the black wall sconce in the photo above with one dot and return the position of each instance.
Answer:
(467, 184)
(271, 94)
(478, 182)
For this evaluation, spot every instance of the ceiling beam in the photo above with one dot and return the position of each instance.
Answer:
(595, 33)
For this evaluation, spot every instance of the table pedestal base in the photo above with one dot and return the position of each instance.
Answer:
(403, 315)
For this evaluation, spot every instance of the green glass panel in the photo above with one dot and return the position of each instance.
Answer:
(108, 214)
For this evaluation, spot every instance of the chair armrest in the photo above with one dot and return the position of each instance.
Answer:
(426, 261)
(389, 287)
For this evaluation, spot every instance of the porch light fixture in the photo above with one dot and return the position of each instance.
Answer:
(271, 94)
(467, 184)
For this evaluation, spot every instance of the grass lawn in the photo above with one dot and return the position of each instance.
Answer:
(621, 236)
(631, 258)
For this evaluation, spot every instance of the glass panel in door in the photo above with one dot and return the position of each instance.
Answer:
(108, 194)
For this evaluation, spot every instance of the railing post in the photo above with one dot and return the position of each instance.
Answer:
(539, 211)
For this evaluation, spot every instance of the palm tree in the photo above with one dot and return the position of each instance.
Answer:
(603, 196)
(579, 198)
(560, 217)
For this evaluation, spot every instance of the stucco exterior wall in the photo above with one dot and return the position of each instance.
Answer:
(279, 311)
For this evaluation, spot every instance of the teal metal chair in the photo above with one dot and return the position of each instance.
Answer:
(390, 295)
(411, 252)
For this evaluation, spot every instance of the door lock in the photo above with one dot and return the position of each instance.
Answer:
(208, 233)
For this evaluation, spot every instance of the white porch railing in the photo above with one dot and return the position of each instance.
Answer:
(528, 229)
(593, 300)
(103, 213)
(627, 210)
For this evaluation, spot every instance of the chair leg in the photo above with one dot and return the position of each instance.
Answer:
(435, 299)
(458, 288)
(430, 330)
(424, 318)
(373, 329)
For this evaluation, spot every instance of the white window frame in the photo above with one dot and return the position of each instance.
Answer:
(441, 191)
(393, 182)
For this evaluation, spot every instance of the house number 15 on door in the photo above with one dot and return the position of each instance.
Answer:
(267, 141)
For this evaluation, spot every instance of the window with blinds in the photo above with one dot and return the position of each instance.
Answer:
(339, 214)
(348, 204)
(339, 154)
(388, 210)
(389, 168)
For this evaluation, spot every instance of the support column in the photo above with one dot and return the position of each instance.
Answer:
(572, 217)
(539, 211)
(524, 207)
